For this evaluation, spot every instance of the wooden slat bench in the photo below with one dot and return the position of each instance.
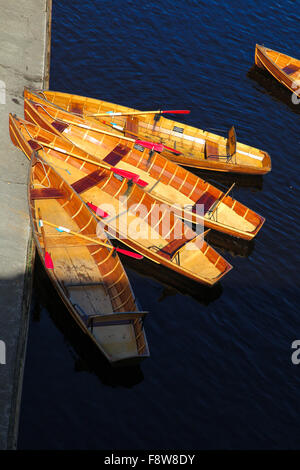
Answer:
(132, 127)
(89, 181)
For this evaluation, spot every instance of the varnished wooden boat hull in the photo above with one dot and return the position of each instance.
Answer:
(167, 182)
(285, 69)
(89, 278)
(207, 266)
(190, 141)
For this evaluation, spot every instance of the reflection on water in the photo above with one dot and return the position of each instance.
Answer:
(228, 244)
(270, 86)
(85, 353)
(219, 375)
(224, 180)
(172, 281)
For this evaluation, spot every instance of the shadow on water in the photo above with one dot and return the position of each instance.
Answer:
(86, 355)
(224, 180)
(232, 245)
(172, 282)
(272, 87)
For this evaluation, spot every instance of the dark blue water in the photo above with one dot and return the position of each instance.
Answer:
(220, 374)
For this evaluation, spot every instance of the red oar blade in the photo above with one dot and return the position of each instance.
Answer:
(142, 183)
(48, 261)
(176, 111)
(131, 254)
(150, 145)
(96, 209)
(126, 174)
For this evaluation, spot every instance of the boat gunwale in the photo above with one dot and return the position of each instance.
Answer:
(265, 168)
(135, 357)
(263, 50)
(246, 234)
(154, 256)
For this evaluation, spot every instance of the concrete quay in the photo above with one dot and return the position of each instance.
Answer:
(25, 34)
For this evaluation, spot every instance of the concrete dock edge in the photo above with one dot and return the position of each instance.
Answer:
(13, 427)
(25, 42)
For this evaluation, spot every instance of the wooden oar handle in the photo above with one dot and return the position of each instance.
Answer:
(110, 247)
(71, 154)
(151, 145)
(138, 113)
(79, 235)
(42, 228)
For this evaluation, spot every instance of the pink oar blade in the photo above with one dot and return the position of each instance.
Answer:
(142, 183)
(96, 209)
(126, 174)
(129, 253)
(48, 261)
(130, 175)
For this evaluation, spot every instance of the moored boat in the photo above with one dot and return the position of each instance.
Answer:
(285, 69)
(166, 181)
(85, 270)
(195, 148)
(133, 216)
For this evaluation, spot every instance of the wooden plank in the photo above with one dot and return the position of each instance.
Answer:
(89, 181)
(132, 127)
(290, 69)
(46, 193)
(116, 155)
(211, 150)
(170, 250)
(69, 241)
(59, 126)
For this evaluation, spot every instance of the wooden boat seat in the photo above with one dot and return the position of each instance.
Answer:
(94, 320)
(211, 150)
(93, 323)
(116, 154)
(34, 145)
(132, 127)
(57, 241)
(86, 284)
(171, 249)
(290, 69)
(76, 108)
(46, 193)
(89, 181)
(207, 200)
(59, 126)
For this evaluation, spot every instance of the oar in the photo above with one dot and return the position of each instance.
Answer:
(126, 174)
(119, 128)
(220, 200)
(110, 247)
(72, 154)
(97, 209)
(48, 259)
(143, 143)
(138, 113)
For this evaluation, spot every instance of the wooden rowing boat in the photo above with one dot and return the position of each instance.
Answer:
(133, 216)
(199, 149)
(166, 181)
(284, 68)
(88, 276)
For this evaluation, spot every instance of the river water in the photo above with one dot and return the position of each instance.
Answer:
(220, 375)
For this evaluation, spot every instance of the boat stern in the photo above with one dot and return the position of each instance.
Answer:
(258, 52)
